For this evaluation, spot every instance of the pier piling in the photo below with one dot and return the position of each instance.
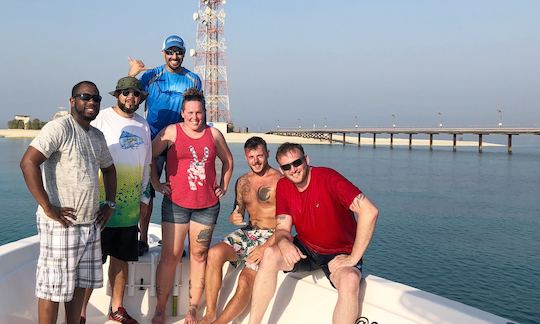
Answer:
(479, 143)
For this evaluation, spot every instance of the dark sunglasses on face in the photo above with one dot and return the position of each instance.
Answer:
(171, 52)
(295, 163)
(126, 93)
(87, 97)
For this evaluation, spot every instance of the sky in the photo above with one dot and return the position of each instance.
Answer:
(294, 62)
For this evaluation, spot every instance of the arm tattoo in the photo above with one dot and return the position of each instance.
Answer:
(245, 187)
(189, 291)
(280, 219)
(356, 202)
(241, 208)
(242, 189)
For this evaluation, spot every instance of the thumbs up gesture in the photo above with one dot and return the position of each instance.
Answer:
(237, 218)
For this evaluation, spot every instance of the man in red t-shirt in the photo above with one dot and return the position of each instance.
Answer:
(321, 204)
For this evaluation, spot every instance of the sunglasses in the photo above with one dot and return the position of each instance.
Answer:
(87, 97)
(126, 92)
(295, 163)
(171, 52)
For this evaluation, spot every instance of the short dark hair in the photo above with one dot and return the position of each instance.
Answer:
(287, 147)
(192, 94)
(253, 142)
(75, 89)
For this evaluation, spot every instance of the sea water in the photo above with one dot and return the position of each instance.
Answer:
(462, 225)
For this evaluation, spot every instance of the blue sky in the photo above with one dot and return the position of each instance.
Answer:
(294, 61)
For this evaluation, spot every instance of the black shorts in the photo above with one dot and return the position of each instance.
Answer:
(121, 243)
(314, 260)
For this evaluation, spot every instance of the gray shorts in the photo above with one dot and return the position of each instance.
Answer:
(172, 213)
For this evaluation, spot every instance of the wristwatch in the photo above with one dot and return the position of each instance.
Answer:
(111, 204)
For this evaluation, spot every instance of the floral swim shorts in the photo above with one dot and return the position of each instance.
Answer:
(244, 240)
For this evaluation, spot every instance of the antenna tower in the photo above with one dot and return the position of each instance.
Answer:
(210, 59)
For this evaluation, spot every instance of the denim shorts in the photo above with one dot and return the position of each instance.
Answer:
(172, 213)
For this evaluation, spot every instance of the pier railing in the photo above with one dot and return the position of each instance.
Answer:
(328, 133)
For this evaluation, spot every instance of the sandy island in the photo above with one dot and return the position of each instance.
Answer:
(278, 139)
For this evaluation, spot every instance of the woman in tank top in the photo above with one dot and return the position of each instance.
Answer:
(190, 197)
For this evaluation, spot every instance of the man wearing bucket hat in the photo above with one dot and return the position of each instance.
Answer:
(165, 85)
(128, 139)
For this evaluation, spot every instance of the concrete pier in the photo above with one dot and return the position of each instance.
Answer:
(327, 133)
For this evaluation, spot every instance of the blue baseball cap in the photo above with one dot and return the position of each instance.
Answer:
(173, 41)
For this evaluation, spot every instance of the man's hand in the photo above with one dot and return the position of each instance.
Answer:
(339, 261)
(236, 218)
(136, 67)
(162, 187)
(291, 254)
(63, 215)
(104, 213)
(256, 255)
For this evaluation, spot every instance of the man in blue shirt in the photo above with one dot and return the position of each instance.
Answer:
(165, 85)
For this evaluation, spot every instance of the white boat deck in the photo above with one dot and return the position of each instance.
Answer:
(300, 297)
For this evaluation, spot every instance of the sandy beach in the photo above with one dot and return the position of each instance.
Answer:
(277, 139)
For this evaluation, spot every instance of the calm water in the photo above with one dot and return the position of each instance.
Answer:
(458, 224)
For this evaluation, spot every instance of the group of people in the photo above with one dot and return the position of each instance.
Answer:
(94, 175)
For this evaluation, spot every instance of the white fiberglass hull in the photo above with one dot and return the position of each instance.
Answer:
(300, 297)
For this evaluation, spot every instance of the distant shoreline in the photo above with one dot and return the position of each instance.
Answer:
(18, 133)
(277, 139)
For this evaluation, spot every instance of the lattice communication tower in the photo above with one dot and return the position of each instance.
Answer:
(210, 59)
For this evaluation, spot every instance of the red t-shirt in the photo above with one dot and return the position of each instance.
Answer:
(321, 214)
(191, 170)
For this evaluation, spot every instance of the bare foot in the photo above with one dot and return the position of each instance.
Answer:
(191, 316)
(159, 318)
(208, 318)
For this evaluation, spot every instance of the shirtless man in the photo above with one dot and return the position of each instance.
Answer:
(255, 192)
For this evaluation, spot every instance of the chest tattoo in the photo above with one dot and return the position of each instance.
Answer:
(263, 193)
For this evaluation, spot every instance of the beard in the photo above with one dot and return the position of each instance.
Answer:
(263, 167)
(130, 110)
(175, 67)
(82, 116)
